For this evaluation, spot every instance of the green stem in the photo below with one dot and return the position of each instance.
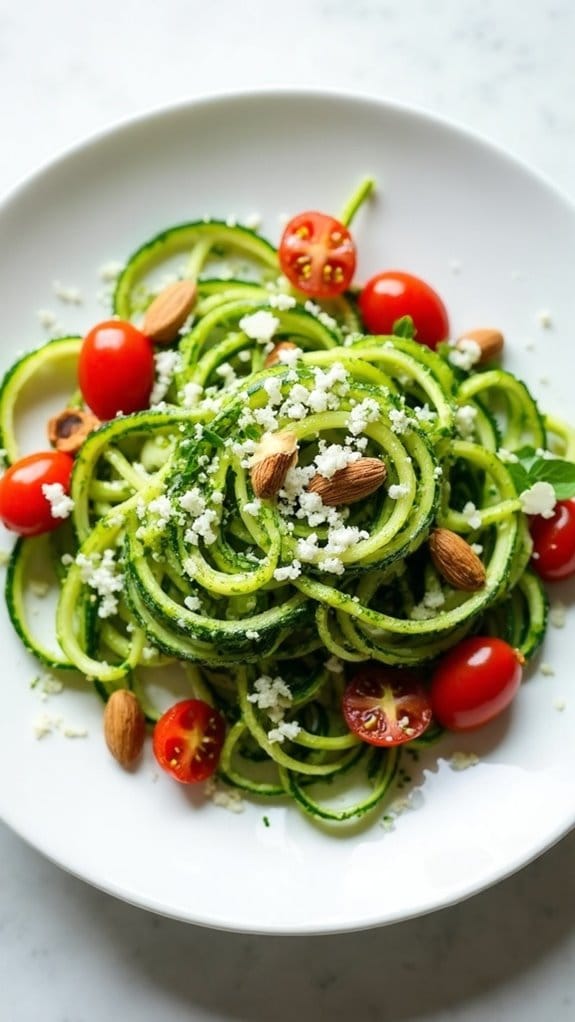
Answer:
(358, 198)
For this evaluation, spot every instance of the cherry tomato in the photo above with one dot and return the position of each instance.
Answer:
(317, 254)
(475, 682)
(390, 295)
(24, 508)
(116, 369)
(554, 542)
(385, 706)
(188, 739)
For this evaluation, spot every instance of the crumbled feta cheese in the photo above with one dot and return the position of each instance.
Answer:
(227, 374)
(191, 394)
(166, 363)
(437, 472)
(477, 549)
(253, 635)
(288, 573)
(472, 515)
(463, 760)
(253, 507)
(397, 490)
(547, 670)
(47, 319)
(424, 413)
(333, 458)
(466, 354)
(193, 501)
(45, 724)
(316, 310)
(61, 505)
(226, 798)
(110, 271)
(202, 528)
(68, 295)
(546, 455)
(559, 705)
(557, 614)
(192, 603)
(289, 356)
(163, 509)
(271, 695)
(252, 221)
(465, 421)
(400, 421)
(282, 302)
(361, 414)
(67, 560)
(544, 319)
(507, 457)
(285, 729)
(539, 499)
(331, 565)
(259, 326)
(73, 731)
(100, 573)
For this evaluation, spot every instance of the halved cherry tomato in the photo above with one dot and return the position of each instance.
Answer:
(188, 739)
(475, 682)
(554, 542)
(317, 254)
(385, 706)
(24, 508)
(116, 369)
(390, 295)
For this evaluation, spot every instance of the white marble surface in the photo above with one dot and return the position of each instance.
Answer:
(67, 952)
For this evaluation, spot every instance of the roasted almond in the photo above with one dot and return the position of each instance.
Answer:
(68, 430)
(456, 561)
(350, 484)
(271, 461)
(490, 343)
(169, 311)
(275, 354)
(124, 727)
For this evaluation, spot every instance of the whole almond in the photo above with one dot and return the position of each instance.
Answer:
(274, 355)
(68, 430)
(350, 484)
(272, 460)
(124, 727)
(456, 561)
(169, 311)
(490, 342)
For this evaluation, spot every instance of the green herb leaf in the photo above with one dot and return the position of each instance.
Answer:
(558, 472)
(519, 475)
(404, 327)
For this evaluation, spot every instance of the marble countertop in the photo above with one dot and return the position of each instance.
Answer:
(67, 952)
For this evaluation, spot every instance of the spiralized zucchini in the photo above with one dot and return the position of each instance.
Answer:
(173, 558)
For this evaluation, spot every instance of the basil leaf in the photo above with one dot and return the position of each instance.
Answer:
(556, 471)
(404, 327)
(519, 475)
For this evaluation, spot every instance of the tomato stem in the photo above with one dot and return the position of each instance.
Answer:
(362, 192)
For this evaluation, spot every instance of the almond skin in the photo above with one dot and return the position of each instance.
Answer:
(169, 311)
(455, 561)
(124, 727)
(68, 430)
(274, 355)
(354, 482)
(272, 460)
(489, 340)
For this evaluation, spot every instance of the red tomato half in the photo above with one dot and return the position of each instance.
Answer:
(390, 295)
(188, 740)
(116, 369)
(24, 508)
(386, 707)
(475, 682)
(317, 254)
(554, 542)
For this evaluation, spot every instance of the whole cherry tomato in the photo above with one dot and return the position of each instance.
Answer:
(392, 294)
(188, 739)
(383, 706)
(475, 682)
(116, 369)
(554, 542)
(317, 254)
(24, 506)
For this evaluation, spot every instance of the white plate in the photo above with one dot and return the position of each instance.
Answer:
(447, 202)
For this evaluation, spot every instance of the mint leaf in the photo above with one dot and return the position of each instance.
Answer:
(527, 455)
(519, 475)
(556, 471)
(404, 327)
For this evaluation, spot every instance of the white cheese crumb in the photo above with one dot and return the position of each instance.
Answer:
(424, 413)
(166, 363)
(557, 614)
(191, 394)
(47, 319)
(192, 603)
(61, 505)
(253, 507)
(547, 670)
(100, 573)
(507, 457)
(361, 414)
(45, 724)
(477, 548)
(66, 294)
(226, 798)
(72, 731)
(559, 705)
(110, 271)
(437, 472)
(288, 573)
(282, 302)
(67, 560)
(400, 421)
(465, 421)
(466, 354)
(271, 695)
(397, 490)
(252, 635)
(252, 221)
(472, 515)
(259, 326)
(285, 729)
(539, 499)
(463, 760)
(544, 319)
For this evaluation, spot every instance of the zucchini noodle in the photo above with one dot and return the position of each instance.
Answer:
(171, 557)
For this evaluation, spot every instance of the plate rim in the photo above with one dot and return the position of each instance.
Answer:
(294, 94)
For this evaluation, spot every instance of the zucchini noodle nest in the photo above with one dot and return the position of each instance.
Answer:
(170, 557)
